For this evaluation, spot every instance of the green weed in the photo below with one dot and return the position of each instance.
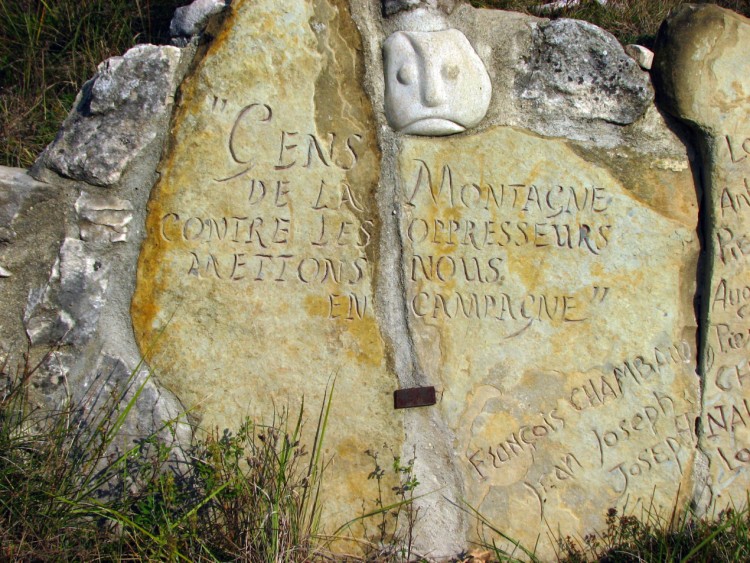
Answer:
(54, 469)
(70, 489)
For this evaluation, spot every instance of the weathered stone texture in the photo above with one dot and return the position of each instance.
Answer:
(553, 310)
(31, 230)
(255, 281)
(703, 70)
(540, 270)
(190, 20)
(579, 71)
(116, 116)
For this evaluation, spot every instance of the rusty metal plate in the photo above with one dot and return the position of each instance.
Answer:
(414, 397)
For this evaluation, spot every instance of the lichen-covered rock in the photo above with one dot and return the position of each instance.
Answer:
(116, 116)
(578, 71)
(703, 73)
(67, 309)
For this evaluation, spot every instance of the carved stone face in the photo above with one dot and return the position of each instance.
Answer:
(435, 83)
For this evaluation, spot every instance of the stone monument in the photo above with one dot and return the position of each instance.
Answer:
(515, 265)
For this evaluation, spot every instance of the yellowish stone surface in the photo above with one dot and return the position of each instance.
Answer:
(706, 72)
(255, 280)
(551, 302)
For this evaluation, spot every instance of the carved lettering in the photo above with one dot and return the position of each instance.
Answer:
(738, 151)
(652, 457)
(732, 247)
(485, 234)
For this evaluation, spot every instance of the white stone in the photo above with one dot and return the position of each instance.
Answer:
(67, 309)
(435, 83)
(642, 55)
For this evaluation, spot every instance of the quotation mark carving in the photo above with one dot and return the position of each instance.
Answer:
(219, 104)
(600, 294)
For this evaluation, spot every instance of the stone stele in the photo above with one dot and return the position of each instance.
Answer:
(552, 308)
(255, 281)
(543, 286)
(704, 70)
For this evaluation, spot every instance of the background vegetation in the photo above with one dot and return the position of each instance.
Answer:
(49, 48)
(631, 21)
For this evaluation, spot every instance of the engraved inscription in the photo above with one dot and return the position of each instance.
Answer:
(259, 240)
(738, 150)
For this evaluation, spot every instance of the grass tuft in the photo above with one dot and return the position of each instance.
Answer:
(49, 48)
(628, 538)
(69, 490)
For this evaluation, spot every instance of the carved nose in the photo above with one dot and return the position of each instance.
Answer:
(433, 89)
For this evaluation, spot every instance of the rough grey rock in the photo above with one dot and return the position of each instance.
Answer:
(103, 218)
(579, 72)
(31, 228)
(116, 115)
(68, 308)
(561, 5)
(642, 55)
(16, 188)
(190, 20)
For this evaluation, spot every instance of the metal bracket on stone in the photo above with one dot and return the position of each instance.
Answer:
(414, 397)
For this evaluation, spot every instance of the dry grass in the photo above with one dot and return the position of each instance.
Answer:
(631, 21)
(49, 48)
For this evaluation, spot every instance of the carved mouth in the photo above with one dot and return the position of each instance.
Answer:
(433, 126)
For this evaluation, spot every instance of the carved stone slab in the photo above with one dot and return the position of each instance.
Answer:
(552, 306)
(255, 281)
(705, 75)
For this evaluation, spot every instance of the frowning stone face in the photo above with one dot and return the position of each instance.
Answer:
(435, 83)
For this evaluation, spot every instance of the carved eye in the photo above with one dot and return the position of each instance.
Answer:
(407, 74)
(450, 71)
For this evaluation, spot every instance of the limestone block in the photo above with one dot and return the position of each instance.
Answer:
(191, 19)
(578, 71)
(67, 309)
(103, 217)
(435, 83)
(116, 116)
(551, 304)
(255, 281)
(703, 73)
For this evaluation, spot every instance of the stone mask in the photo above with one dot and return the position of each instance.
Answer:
(435, 83)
